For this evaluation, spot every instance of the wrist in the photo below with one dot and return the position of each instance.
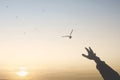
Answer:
(97, 59)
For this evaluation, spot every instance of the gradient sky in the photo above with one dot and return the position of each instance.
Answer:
(31, 30)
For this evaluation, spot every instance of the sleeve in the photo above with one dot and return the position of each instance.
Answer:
(106, 71)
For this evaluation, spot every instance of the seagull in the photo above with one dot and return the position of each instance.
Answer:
(70, 35)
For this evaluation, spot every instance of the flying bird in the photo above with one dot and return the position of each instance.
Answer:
(70, 35)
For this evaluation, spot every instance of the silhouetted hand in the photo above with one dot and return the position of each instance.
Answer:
(91, 55)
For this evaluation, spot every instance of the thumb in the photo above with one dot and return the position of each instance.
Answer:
(85, 55)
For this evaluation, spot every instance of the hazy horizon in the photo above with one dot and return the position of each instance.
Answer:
(54, 75)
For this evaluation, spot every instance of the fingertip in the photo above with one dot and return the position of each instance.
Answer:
(84, 55)
(89, 47)
(86, 48)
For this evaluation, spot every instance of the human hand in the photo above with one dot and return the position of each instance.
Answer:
(91, 55)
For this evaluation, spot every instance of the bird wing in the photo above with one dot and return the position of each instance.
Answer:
(66, 36)
(71, 32)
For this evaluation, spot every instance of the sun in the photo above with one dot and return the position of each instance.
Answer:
(22, 72)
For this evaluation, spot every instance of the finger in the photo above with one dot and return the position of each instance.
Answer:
(85, 55)
(91, 50)
(95, 54)
(87, 50)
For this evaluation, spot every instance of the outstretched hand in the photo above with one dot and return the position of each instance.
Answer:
(91, 55)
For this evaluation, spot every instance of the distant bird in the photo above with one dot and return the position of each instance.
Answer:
(16, 17)
(70, 35)
(24, 33)
(6, 6)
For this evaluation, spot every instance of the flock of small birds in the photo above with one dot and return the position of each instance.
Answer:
(69, 36)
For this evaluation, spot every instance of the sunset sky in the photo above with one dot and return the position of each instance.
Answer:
(31, 30)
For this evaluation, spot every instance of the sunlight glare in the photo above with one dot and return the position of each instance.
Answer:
(22, 72)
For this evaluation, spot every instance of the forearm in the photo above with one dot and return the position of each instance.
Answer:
(106, 71)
